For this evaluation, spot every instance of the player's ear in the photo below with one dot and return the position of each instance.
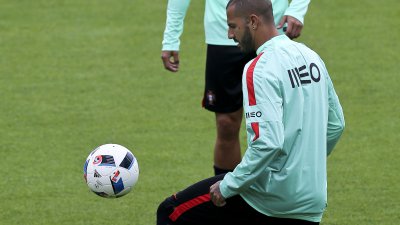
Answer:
(254, 21)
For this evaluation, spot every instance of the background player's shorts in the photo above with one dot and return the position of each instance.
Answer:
(224, 69)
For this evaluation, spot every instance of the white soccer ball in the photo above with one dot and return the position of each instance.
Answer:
(111, 171)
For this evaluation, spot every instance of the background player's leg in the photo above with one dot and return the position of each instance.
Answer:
(223, 96)
(227, 146)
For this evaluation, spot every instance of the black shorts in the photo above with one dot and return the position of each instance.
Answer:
(193, 206)
(224, 69)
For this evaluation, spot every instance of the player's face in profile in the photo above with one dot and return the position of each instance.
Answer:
(246, 42)
(239, 31)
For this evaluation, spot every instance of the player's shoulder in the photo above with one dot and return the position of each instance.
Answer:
(287, 49)
(256, 64)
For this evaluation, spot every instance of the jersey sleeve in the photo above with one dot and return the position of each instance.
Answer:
(265, 134)
(298, 9)
(336, 121)
(176, 12)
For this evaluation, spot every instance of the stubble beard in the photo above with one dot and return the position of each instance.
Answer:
(247, 44)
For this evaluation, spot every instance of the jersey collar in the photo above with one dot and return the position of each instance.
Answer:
(270, 42)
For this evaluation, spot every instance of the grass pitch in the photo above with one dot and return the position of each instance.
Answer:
(78, 74)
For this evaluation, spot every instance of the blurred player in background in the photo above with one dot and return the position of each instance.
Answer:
(293, 121)
(224, 66)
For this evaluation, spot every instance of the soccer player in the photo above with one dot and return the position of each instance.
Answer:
(224, 67)
(293, 121)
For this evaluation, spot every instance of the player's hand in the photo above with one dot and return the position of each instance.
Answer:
(294, 26)
(216, 196)
(170, 60)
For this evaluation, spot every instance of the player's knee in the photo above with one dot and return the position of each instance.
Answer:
(227, 128)
(164, 210)
(228, 121)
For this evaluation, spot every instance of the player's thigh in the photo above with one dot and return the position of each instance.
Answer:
(193, 206)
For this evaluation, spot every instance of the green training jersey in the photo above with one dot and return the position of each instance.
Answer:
(293, 121)
(215, 25)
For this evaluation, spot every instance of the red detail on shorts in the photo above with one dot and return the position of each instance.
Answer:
(249, 81)
(182, 208)
(256, 129)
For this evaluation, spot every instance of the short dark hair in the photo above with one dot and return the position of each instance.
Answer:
(261, 8)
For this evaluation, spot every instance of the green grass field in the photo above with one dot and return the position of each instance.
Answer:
(78, 74)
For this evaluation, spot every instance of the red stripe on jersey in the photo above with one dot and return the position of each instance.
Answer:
(256, 129)
(249, 81)
(180, 209)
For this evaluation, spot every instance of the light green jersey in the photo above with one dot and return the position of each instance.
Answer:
(293, 121)
(215, 25)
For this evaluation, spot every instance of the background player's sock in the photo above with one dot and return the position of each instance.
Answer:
(218, 171)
